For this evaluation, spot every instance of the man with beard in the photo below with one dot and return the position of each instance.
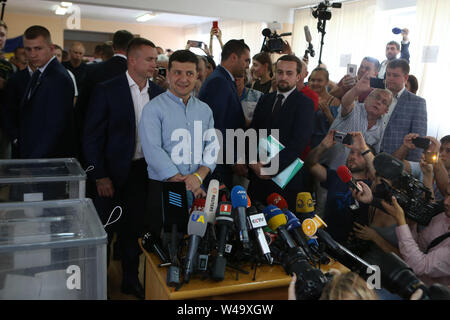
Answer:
(290, 113)
(338, 213)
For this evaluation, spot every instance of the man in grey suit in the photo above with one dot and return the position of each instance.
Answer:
(407, 112)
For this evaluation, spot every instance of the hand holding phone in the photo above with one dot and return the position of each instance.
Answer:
(352, 69)
(377, 83)
(162, 72)
(195, 44)
(343, 138)
(422, 143)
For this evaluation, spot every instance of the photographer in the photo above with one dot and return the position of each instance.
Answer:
(434, 175)
(427, 251)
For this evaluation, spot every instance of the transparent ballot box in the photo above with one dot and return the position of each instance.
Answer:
(41, 179)
(52, 250)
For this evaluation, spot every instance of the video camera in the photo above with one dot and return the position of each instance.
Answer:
(412, 195)
(272, 41)
(323, 12)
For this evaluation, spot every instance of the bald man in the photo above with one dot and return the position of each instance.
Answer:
(76, 64)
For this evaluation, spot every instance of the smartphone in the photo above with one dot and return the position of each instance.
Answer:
(431, 157)
(377, 83)
(343, 138)
(352, 69)
(215, 24)
(195, 44)
(162, 72)
(422, 143)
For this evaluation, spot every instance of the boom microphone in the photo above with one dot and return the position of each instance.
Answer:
(239, 201)
(308, 34)
(387, 166)
(196, 230)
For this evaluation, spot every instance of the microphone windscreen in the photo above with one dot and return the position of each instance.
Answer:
(197, 224)
(198, 204)
(275, 217)
(266, 32)
(344, 174)
(304, 203)
(239, 197)
(292, 220)
(396, 31)
(387, 166)
(308, 34)
(277, 200)
(212, 200)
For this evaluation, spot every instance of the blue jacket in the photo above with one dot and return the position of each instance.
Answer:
(109, 135)
(409, 116)
(220, 93)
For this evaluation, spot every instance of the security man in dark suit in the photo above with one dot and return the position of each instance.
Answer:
(220, 93)
(45, 124)
(292, 113)
(100, 72)
(111, 145)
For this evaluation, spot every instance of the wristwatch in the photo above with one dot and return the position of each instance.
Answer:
(366, 152)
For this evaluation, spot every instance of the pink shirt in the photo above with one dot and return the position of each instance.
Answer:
(433, 267)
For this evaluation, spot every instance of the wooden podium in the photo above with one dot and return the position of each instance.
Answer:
(270, 283)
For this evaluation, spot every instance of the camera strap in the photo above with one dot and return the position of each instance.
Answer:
(436, 241)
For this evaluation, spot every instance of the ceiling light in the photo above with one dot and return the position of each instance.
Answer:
(66, 4)
(60, 11)
(146, 17)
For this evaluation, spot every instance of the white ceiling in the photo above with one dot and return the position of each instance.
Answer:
(172, 13)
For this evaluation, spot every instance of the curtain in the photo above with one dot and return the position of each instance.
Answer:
(434, 30)
(350, 32)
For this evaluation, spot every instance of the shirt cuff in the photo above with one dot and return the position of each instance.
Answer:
(403, 232)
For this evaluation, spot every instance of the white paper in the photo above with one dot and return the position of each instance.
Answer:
(430, 54)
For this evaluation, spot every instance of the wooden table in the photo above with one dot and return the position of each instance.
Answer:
(271, 283)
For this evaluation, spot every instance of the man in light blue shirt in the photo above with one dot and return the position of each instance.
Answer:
(177, 130)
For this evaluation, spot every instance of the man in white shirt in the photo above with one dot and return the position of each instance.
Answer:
(111, 145)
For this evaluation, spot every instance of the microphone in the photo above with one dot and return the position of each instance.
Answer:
(151, 245)
(239, 201)
(257, 222)
(277, 222)
(224, 193)
(396, 31)
(304, 206)
(345, 175)
(196, 230)
(212, 200)
(387, 166)
(198, 205)
(277, 200)
(308, 34)
(344, 256)
(294, 226)
(224, 221)
(266, 32)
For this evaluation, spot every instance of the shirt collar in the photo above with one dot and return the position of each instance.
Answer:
(400, 93)
(132, 83)
(120, 55)
(286, 94)
(42, 69)
(232, 78)
(176, 99)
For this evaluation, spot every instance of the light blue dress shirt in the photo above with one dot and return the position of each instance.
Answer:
(177, 138)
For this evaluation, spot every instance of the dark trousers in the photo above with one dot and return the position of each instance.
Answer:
(132, 197)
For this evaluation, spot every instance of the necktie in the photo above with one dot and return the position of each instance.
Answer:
(33, 83)
(278, 104)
